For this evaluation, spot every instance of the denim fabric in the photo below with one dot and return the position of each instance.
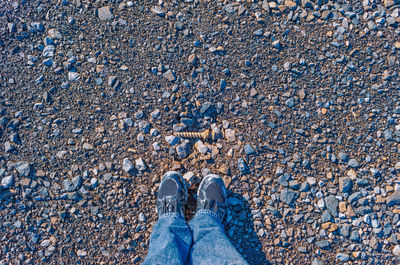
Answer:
(210, 244)
(203, 241)
(170, 241)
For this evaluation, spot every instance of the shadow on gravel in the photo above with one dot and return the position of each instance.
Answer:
(239, 227)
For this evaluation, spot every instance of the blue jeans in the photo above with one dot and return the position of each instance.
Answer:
(203, 241)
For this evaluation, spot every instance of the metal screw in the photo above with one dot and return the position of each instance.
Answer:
(206, 134)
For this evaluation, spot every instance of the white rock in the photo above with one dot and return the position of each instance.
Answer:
(23, 168)
(155, 114)
(94, 182)
(61, 154)
(279, 171)
(396, 250)
(54, 34)
(92, 60)
(73, 76)
(45, 243)
(230, 135)
(154, 132)
(87, 146)
(81, 253)
(127, 165)
(375, 223)
(104, 13)
(142, 218)
(156, 146)
(202, 148)
(7, 182)
(367, 219)
(311, 181)
(191, 179)
(157, 10)
(321, 203)
(48, 51)
(172, 140)
(140, 164)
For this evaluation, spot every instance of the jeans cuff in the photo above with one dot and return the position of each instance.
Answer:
(173, 215)
(208, 212)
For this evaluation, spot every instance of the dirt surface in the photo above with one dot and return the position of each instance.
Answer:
(303, 98)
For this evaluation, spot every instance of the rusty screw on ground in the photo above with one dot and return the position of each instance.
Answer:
(206, 134)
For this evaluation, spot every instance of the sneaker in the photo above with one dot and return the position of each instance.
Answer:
(212, 195)
(172, 194)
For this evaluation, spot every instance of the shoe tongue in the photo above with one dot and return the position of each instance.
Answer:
(169, 187)
(213, 192)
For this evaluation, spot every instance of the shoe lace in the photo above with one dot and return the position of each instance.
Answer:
(212, 205)
(215, 207)
(167, 206)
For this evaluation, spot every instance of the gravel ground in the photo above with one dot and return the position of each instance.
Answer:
(302, 97)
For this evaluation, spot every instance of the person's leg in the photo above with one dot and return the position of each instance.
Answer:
(171, 237)
(210, 244)
(170, 241)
